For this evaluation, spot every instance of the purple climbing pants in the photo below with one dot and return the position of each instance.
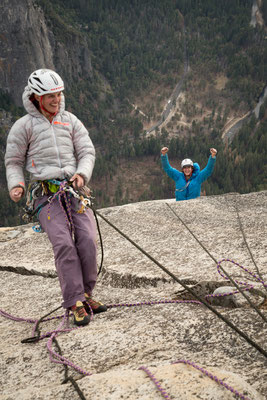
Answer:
(75, 260)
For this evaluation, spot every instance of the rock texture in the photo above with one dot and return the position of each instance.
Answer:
(117, 343)
(28, 43)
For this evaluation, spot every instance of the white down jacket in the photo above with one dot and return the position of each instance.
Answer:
(48, 150)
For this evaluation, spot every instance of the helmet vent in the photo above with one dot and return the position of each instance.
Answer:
(54, 79)
(37, 79)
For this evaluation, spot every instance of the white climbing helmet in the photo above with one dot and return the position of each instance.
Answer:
(44, 81)
(187, 163)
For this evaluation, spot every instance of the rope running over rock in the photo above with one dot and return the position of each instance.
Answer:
(58, 358)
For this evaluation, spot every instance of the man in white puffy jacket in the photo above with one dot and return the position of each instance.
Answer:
(54, 146)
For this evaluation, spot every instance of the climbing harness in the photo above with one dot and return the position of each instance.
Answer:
(64, 201)
(62, 192)
(35, 190)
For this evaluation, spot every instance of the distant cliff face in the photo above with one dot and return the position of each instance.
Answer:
(27, 43)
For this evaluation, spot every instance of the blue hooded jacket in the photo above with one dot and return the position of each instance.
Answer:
(186, 190)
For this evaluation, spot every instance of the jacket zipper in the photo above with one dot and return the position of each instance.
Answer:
(56, 146)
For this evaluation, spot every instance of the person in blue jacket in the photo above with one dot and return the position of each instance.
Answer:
(188, 182)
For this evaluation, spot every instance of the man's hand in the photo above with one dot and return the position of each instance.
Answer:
(78, 181)
(164, 150)
(213, 152)
(16, 193)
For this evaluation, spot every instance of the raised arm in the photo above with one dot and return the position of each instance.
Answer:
(207, 171)
(170, 171)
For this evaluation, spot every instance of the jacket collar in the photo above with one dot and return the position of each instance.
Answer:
(196, 170)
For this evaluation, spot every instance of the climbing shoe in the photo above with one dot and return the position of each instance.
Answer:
(81, 317)
(96, 306)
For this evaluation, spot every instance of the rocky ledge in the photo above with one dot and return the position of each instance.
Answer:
(174, 342)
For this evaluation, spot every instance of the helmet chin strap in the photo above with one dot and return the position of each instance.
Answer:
(44, 109)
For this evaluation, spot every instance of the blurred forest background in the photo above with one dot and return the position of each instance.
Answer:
(138, 52)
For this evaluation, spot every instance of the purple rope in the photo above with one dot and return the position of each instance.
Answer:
(61, 193)
(17, 319)
(226, 294)
(241, 266)
(149, 303)
(213, 377)
(159, 387)
(28, 320)
(59, 359)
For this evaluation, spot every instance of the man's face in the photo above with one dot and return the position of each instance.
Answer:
(187, 170)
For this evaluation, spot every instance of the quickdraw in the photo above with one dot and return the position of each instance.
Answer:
(54, 187)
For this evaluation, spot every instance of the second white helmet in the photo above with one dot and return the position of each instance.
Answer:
(187, 162)
(44, 81)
